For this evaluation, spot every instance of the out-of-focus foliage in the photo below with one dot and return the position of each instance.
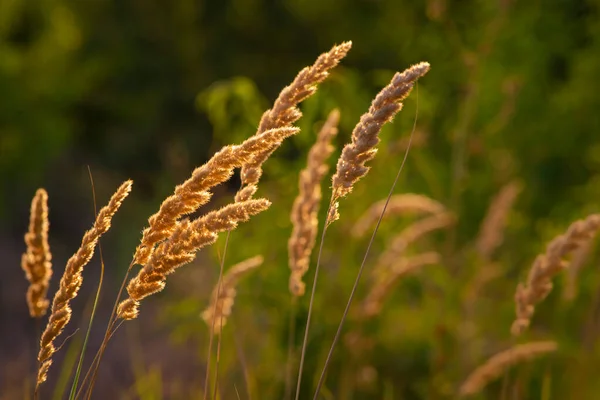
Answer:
(149, 89)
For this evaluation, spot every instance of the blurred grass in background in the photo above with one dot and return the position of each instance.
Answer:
(149, 89)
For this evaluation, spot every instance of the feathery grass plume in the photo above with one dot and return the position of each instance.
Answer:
(72, 278)
(545, 266)
(365, 137)
(285, 111)
(492, 228)
(306, 206)
(386, 280)
(398, 204)
(180, 249)
(497, 364)
(412, 233)
(222, 300)
(194, 192)
(36, 261)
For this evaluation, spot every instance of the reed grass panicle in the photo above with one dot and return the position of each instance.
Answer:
(408, 203)
(285, 111)
(72, 279)
(365, 136)
(492, 228)
(222, 300)
(306, 205)
(546, 266)
(194, 192)
(499, 363)
(37, 259)
(180, 249)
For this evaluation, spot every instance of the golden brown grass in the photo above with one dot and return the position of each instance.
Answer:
(547, 265)
(365, 136)
(351, 167)
(72, 278)
(181, 247)
(221, 302)
(499, 363)
(306, 206)
(407, 203)
(36, 261)
(285, 111)
(194, 192)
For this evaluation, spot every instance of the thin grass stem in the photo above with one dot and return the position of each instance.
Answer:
(220, 320)
(310, 308)
(243, 362)
(362, 265)
(107, 335)
(96, 299)
(212, 328)
(291, 350)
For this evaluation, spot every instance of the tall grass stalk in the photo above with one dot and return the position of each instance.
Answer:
(96, 299)
(109, 332)
(362, 265)
(66, 369)
(291, 347)
(220, 287)
(310, 308)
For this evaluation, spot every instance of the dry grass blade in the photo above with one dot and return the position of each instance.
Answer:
(285, 111)
(365, 137)
(492, 228)
(36, 261)
(387, 279)
(499, 363)
(194, 192)
(221, 302)
(180, 249)
(545, 266)
(408, 203)
(306, 206)
(72, 278)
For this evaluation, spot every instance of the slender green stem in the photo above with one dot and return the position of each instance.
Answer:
(212, 327)
(38, 332)
(291, 350)
(310, 308)
(362, 265)
(96, 299)
(220, 321)
(87, 334)
(110, 331)
(243, 362)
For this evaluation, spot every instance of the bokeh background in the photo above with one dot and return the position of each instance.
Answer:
(149, 89)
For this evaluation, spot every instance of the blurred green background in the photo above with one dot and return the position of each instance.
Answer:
(147, 90)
